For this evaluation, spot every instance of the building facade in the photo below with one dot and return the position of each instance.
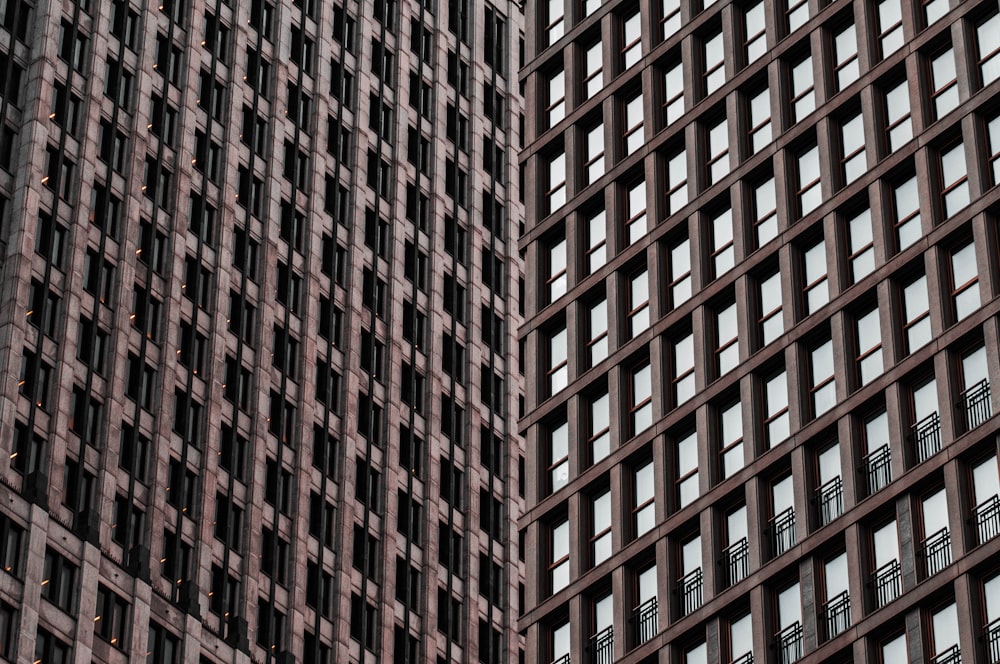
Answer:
(763, 236)
(259, 275)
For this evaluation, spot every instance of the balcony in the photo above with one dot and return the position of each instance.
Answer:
(736, 558)
(602, 646)
(927, 437)
(789, 643)
(987, 516)
(830, 500)
(690, 587)
(837, 612)
(562, 660)
(747, 658)
(952, 655)
(975, 404)
(878, 469)
(783, 531)
(937, 552)
(887, 583)
(644, 619)
(993, 642)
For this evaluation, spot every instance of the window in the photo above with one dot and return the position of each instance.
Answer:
(635, 212)
(944, 629)
(559, 556)
(935, 549)
(736, 557)
(553, 21)
(830, 490)
(723, 250)
(898, 126)
(680, 272)
(597, 330)
(593, 74)
(644, 499)
(852, 143)
(868, 340)
(638, 303)
(788, 640)
(822, 385)
(714, 73)
(796, 14)
(754, 33)
(815, 289)
(802, 88)
(631, 40)
(837, 605)
(670, 18)
(861, 248)
(593, 151)
(890, 28)
(727, 350)
(845, 52)
(765, 211)
(988, 43)
(887, 576)
(934, 10)
(974, 402)
(673, 93)
(59, 581)
(944, 80)
(926, 424)
(782, 524)
(596, 255)
(954, 179)
(556, 109)
(771, 323)
(689, 586)
(916, 314)
(641, 408)
(741, 639)
(964, 281)
(731, 438)
(717, 151)
(683, 362)
(907, 209)
(558, 371)
(758, 107)
(111, 620)
(556, 281)
(776, 426)
(878, 462)
(677, 182)
(809, 193)
(555, 195)
(601, 519)
(599, 441)
(632, 119)
(50, 649)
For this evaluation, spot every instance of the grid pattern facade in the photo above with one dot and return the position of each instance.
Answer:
(763, 236)
(257, 278)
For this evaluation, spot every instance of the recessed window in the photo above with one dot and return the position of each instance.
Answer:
(731, 438)
(644, 505)
(677, 181)
(802, 88)
(599, 416)
(597, 233)
(600, 539)
(555, 194)
(815, 286)
(558, 456)
(822, 384)
(632, 117)
(714, 54)
(954, 179)
(861, 248)
(593, 74)
(809, 192)
(723, 251)
(683, 361)
(916, 314)
(890, 27)
(687, 469)
(988, 44)
(558, 372)
(898, 126)
(770, 320)
(638, 303)
(597, 330)
(673, 93)
(593, 152)
(852, 142)
(845, 52)
(765, 211)
(727, 349)
(868, 341)
(631, 49)
(759, 120)
(943, 80)
(754, 33)
(670, 21)
(776, 426)
(641, 408)
(906, 200)
(556, 281)
(559, 556)
(556, 109)
(964, 281)
(635, 211)
(717, 151)
(680, 272)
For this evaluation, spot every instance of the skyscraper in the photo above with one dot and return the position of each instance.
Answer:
(761, 242)
(259, 281)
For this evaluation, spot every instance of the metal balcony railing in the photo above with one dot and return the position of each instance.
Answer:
(789, 643)
(887, 582)
(937, 552)
(952, 655)
(690, 588)
(878, 469)
(993, 642)
(987, 515)
(644, 618)
(975, 404)
(783, 531)
(602, 646)
(830, 500)
(927, 437)
(562, 660)
(746, 658)
(837, 612)
(737, 561)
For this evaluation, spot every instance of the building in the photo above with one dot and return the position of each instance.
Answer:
(764, 236)
(259, 279)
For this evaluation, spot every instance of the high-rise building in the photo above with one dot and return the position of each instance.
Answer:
(762, 242)
(259, 272)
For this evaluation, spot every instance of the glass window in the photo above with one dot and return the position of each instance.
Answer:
(954, 179)
(907, 203)
(558, 373)
(599, 413)
(717, 149)
(765, 210)
(597, 326)
(680, 272)
(796, 14)
(727, 351)
(638, 301)
(593, 150)
(683, 362)
(776, 408)
(861, 247)
(845, 51)
(556, 281)
(559, 559)
(815, 290)
(759, 113)
(687, 469)
(890, 26)
(673, 93)
(755, 38)
(559, 456)
(988, 42)
(644, 510)
(803, 90)
(635, 211)
(869, 346)
(823, 387)
(597, 233)
(560, 642)
(944, 627)
(723, 249)
(741, 638)
(715, 63)
(944, 81)
(556, 110)
(631, 40)
(809, 193)
(555, 196)
(731, 438)
(632, 115)
(677, 181)
(964, 281)
(993, 147)
(641, 411)
(600, 540)
(670, 22)
(899, 128)
(553, 22)
(593, 75)
(771, 324)
(934, 10)
(916, 314)
(852, 141)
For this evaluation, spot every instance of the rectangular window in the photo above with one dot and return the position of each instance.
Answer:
(776, 424)
(687, 470)
(601, 520)
(822, 383)
(632, 118)
(765, 211)
(670, 18)
(558, 456)
(964, 281)
(555, 195)
(717, 151)
(631, 40)
(593, 74)
(754, 33)
(731, 439)
(597, 233)
(727, 349)
(677, 182)
(723, 251)
(988, 44)
(916, 314)
(714, 54)
(556, 281)
(673, 93)
(599, 427)
(641, 408)
(644, 500)
(556, 109)
(683, 361)
(809, 192)
(771, 321)
(597, 331)
(861, 248)
(593, 150)
(680, 273)
(802, 88)
(638, 303)
(845, 52)
(943, 80)
(559, 556)
(852, 143)
(635, 211)
(815, 286)
(868, 361)
(954, 179)
(759, 119)
(558, 371)
(907, 208)
(890, 27)
(898, 126)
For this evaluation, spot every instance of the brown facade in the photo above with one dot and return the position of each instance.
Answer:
(259, 282)
(764, 236)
